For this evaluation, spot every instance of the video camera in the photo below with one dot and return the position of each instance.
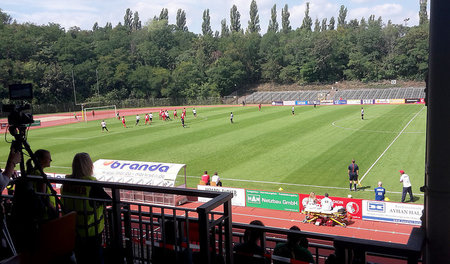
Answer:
(18, 118)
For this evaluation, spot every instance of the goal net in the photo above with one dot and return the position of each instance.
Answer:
(99, 112)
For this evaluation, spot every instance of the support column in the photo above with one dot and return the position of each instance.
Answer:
(437, 178)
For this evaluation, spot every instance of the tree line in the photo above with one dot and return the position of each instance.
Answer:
(158, 59)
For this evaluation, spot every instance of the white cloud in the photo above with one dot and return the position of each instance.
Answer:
(84, 13)
(360, 1)
(393, 12)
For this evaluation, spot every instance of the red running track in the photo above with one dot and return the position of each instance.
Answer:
(372, 230)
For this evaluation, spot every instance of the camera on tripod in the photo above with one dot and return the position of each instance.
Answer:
(18, 118)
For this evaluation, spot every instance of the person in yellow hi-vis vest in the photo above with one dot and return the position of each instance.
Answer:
(90, 214)
(44, 158)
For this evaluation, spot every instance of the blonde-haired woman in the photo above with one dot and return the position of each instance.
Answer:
(90, 214)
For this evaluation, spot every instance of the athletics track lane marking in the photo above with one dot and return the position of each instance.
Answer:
(393, 141)
(295, 220)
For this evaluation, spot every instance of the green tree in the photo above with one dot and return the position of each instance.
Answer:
(128, 20)
(226, 74)
(271, 57)
(181, 20)
(164, 15)
(137, 25)
(324, 24)
(206, 24)
(342, 16)
(235, 19)
(331, 25)
(5, 19)
(411, 53)
(317, 25)
(225, 31)
(253, 23)
(273, 24)
(307, 21)
(285, 24)
(423, 15)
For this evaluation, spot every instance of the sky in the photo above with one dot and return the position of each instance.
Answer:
(84, 13)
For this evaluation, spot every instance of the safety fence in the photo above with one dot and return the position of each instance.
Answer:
(150, 233)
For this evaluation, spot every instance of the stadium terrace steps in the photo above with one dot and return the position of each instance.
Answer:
(387, 93)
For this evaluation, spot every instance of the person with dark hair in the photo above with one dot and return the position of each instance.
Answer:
(294, 248)
(353, 171)
(231, 117)
(326, 203)
(249, 251)
(380, 192)
(404, 179)
(103, 123)
(216, 179)
(205, 178)
(44, 158)
(90, 214)
(137, 119)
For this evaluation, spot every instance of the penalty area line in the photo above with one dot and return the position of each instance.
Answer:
(393, 141)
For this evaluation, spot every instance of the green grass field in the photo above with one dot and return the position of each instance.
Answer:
(265, 149)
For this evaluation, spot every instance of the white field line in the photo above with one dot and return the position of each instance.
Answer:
(393, 141)
(294, 220)
(374, 131)
(294, 184)
(263, 182)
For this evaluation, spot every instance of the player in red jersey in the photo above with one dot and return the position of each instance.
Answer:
(259, 106)
(175, 115)
(147, 119)
(123, 122)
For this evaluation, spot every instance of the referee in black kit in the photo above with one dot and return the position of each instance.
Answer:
(353, 172)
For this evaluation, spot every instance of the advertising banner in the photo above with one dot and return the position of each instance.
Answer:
(340, 102)
(272, 200)
(353, 102)
(238, 194)
(301, 102)
(412, 101)
(353, 206)
(137, 172)
(58, 176)
(288, 102)
(392, 212)
(367, 101)
(396, 101)
(381, 101)
(313, 102)
(278, 103)
(326, 102)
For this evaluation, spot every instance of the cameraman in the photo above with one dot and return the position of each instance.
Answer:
(13, 158)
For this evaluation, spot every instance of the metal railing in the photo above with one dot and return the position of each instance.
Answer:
(139, 233)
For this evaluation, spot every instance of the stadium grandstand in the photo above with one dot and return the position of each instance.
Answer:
(387, 93)
(206, 233)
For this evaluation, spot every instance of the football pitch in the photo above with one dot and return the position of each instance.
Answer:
(267, 149)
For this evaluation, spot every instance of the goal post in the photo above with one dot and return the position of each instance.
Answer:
(107, 111)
